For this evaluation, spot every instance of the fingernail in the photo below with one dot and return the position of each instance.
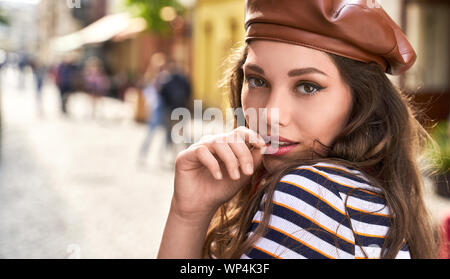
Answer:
(219, 175)
(236, 174)
(249, 168)
(263, 150)
(262, 141)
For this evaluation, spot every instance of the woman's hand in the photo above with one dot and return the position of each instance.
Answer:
(213, 170)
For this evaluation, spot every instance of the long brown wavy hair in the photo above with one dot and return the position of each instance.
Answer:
(383, 139)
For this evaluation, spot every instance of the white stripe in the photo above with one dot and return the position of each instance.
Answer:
(276, 248)
(403, 255)
(365, 228)
(348, 181)
(244, 257)
(355, 172)
(327, 195)
(366, 205)
(314, 214)
(375, 252)
(258, 216)
(308, 238)
(371, 251)
(317, 189)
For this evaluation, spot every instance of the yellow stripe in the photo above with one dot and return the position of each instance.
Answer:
(369, 212)
(298, 240)
(369, 235)
(345, 185)
(314, 194)
(301, 214)
(265, 251)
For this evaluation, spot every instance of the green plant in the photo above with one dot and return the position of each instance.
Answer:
(150, 10)
(3, 18)
(441, 135)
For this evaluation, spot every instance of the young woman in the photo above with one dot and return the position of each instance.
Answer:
(347, 184)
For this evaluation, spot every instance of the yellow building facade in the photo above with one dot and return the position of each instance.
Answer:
(218, 27)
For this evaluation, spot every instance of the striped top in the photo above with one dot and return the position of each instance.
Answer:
(324, 211)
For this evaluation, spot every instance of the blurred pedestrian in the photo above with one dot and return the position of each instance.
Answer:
(96, 82)
(65, 77)
(175, 93)
(153, 78)
(23, 63)
(39, 73)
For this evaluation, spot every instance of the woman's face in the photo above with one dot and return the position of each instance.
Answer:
(305, 86)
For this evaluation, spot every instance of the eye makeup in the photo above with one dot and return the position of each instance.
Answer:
(309, 88)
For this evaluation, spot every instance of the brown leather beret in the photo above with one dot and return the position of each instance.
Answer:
(356, 29)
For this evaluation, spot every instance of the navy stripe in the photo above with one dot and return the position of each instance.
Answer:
(317, 178)
(258, 254)
(360, 194)
(312, 228)
(293, 240)
(405, 247)
(369, 218)
(361, 240)
(342, 173)
(253, 226)
(292, 244)
(313, 201)
(337, 188)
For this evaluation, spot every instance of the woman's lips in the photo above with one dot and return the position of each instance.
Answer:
(277, 145)
(276, 139)
(278, 150)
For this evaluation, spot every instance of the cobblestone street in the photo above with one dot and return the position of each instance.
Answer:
(70, 187)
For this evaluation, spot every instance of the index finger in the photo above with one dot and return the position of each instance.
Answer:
(250, 137)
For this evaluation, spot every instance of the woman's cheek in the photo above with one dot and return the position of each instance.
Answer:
(329, 132)
(248, 101)
(244, 99)
(313, 128)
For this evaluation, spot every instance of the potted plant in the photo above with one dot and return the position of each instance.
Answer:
(441, 135)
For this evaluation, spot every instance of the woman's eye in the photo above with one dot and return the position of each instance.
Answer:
(309, 88)
(255, 82)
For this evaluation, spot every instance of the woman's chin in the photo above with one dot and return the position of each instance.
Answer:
(269, 164)
(272, 162)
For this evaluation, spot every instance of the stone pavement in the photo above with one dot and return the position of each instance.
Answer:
(71, 187)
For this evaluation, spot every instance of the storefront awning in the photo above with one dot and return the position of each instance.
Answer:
(114, 27)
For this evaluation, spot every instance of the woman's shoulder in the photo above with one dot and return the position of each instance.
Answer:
(308, 217)
(332, 176)
(338, 203)
(333, 185)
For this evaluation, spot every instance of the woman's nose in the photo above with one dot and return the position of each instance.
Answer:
(277, 110)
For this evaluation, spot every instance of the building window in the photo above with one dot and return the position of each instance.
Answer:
(427, 27)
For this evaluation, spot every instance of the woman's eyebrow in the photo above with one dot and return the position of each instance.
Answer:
(304, 71)
(255, 68)
(291, 73)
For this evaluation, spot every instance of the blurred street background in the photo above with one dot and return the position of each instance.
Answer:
(86, 163)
